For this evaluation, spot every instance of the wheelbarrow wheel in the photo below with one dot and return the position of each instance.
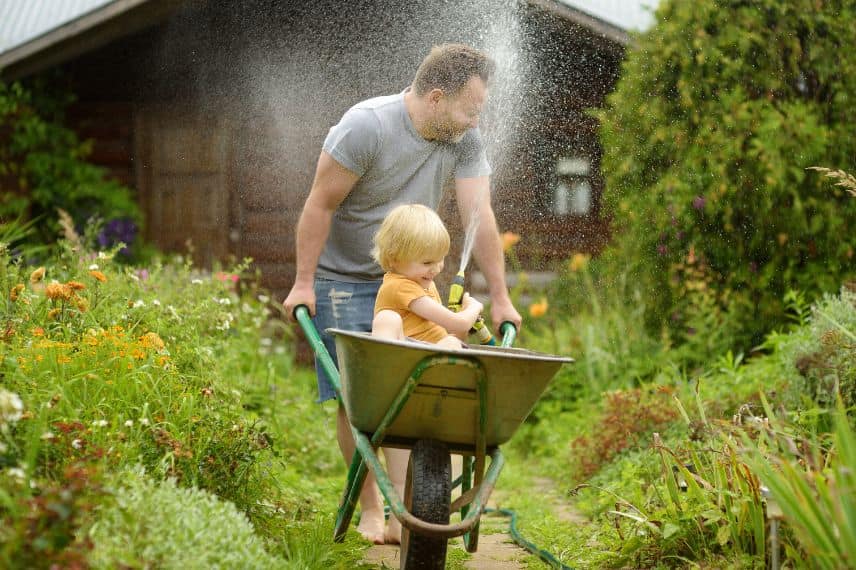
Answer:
(427, 495)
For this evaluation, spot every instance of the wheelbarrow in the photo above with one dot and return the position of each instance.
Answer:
(435, 402)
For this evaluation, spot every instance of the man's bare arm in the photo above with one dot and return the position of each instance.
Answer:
(332, 184)
(473, 195)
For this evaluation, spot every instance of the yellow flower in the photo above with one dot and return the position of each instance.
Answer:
(509, 240)
(54, 313)
(152, 340)
(98, 275)
(37, 275)
(56, 291)
(82, 304)
(578, 262)
(16, 290)
(539, 309)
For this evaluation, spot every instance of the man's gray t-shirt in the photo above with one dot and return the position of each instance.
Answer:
(376, 140)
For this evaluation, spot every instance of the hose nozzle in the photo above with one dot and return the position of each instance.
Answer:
(456, 297)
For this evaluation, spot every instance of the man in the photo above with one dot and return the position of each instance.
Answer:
(387, 151)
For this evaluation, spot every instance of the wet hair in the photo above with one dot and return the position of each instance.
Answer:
(410, 233)
(449, 67)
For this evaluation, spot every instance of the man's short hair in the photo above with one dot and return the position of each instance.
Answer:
(450, 66)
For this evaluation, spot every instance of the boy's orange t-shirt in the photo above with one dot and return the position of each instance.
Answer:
(396, 293)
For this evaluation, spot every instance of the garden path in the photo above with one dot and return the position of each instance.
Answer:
(497, 550)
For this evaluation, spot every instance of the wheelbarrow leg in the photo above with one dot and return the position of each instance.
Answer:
(354, 484)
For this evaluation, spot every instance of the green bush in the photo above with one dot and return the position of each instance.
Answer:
(43, 168)
(720, 110)
(159, 525)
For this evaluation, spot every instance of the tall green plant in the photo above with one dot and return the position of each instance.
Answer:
(720, 109)
(816, 491)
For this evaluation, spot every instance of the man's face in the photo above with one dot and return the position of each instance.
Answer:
(459, 113)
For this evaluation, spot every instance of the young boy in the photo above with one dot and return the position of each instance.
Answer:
(410, 247)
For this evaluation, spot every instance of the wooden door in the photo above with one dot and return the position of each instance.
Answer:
(182, 177)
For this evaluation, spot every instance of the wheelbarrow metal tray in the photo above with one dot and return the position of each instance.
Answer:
(444, 406)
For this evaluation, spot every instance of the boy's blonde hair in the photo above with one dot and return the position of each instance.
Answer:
(409, 233)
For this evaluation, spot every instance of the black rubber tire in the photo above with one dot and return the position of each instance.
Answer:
(427, 495)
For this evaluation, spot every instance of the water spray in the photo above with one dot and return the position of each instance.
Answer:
(456, 296)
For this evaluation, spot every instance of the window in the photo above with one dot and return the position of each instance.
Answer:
(572, 191)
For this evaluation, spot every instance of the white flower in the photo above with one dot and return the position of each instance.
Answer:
(224, 301)
(48, 435)
(17, 473)
(264, 299)
(129, 423)
(139, 303)
(100, 423)
(196, 281)
(265, 341)
(156, 303)
(245, 307)
(11, 407)
(76, 443)
(93, 267)
(144, 421)
(104, 255)
(279, 349)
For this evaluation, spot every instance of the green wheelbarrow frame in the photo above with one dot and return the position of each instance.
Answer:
(477, 482)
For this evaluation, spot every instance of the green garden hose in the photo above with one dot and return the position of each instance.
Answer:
(523, 543)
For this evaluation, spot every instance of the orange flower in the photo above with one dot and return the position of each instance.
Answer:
(539, 309)
(56, 291)
(37, 275)
(98, 275)
(578, 262)
(38, 331)
(16, 290)
(152, 340)
(76, 285)
(509, 240)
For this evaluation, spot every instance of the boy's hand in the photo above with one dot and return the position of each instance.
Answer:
(468, 302)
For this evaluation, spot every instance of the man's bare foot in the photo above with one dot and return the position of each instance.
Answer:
(393, 531)
(371, 526)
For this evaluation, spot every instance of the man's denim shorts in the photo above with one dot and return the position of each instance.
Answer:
(347, 306)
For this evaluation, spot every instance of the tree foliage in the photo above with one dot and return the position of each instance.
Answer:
(720, 110)
(43, 166)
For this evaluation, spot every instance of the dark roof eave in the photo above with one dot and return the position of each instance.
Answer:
(606, 30)
(83, 34)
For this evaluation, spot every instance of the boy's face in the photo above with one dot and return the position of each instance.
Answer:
(422, 271)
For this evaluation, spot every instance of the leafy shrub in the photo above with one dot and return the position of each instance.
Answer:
(628, 417)
(43, 167)
(720, 109)
(41, 524)
(156, 524)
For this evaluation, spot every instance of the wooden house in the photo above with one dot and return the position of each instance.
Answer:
(214, 112)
